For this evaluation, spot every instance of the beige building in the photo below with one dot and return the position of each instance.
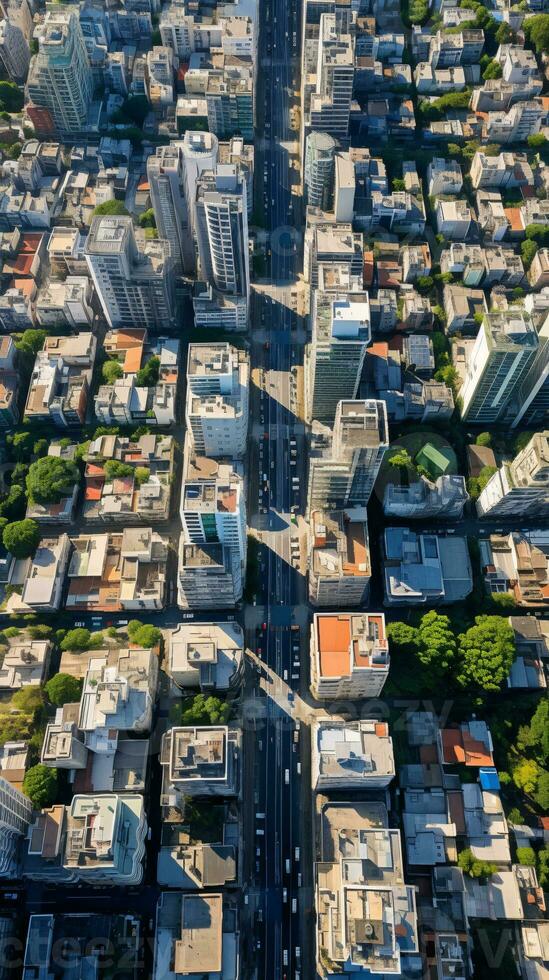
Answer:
(520, 488)
(349, 655)
(216, 411)
(199, 761)
(356, 755)
(208, 656)
(339, 558)
(196, 936)
(25, 663)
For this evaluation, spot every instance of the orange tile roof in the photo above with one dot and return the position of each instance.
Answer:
(514, 217)
(132, 360)
(334, 638)
(25, 285)
(452, 746)
(92, 469)
(93, 492)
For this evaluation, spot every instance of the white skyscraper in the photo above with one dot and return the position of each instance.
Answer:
(134, 284)
(15, 816)
(331, 102)
(213, 507)
(173, 172)
(14, 51)
(222, 230)
(60, 76)
(216, 411)
(320, 151)
(343, 473)
(341, 334)
(520, 488)
(500, 359)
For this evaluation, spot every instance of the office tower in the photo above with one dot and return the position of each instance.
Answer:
(343, 473)
(15, 816)
(14, 51)
(60, 77)
(349, 655)
(216, 411)
(520, 488)
(229, 103)
(532, 398)
(339, 558)
(209, 576)
(200, 153)
(222, 230)
(335, 357)
(330, 105)
(213, 506)
(496, 366)
(165, 171)
(320, 151)
(134, 282)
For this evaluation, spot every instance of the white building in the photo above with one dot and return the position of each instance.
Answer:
(349, 655)
(351, 755)
(221, 215)
(216, 411)
(497, 363)
(520, 488)
(213, 507)
(339, 558)
(14, 51)
(335, 357)
(60, 77)
(15, 815)
(208, 656)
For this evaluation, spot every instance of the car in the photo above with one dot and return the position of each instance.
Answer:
(284, 894)
(291, 696)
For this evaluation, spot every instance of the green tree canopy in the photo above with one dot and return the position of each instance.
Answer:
(535, 736)
(202, 710)
(526, 855)
(436, 643)
(111, 371)
(116, 470)
(81, 639)
(51, 478)
(40, 785)
(473, 867)
(144, 634)
(484, 439)
(31, 341)
(528, 249)
(28, 699)
(148, 376)
(111, 207)
(11, 97)
(526, 774)
(536, 29)
(402, 636)
(21, 538)
(487, 651)
(63, 689)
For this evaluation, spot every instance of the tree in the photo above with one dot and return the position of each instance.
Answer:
(41, 447)
(110, 371)
(147, 219)
(535, 736)
(81, 639)
(492, 70)
(503, 600)
(398, 184)
(528, 249)
(472, 866)
(543, 868)
(541, 793)
(142, 474)
(143, 634)
(137, 108)
(202, 710)
(39, 632)
(402, 636)
(504, 33)
(28, 699)
(148, 376)
(31, 341)
(21, 444)
(525, 775)
(484, 439)
(111, 207)
(11, 97)
(51, 478)
(115, 470)
(21, 538)
(526, 855)
(537, 233)
(425, 284)
(436, 643)
(487, 651)
(537, 141)
(40, 785)
(536, 29)
(63, 689)
(13, 504)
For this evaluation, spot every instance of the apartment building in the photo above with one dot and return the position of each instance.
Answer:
(444, 177)
(517, 563)
(444, 497)
(60, 381)
(453, 219)
(341, 332)
(216, 411)
(213, 506)
(99, 839)
(496, 364)
(15, 816)
(209, 576)
(127, 481)
(42, 577)
(133, 277)
(330, 242)
(115, 571)
(351, 756)
(344, 464)
(339, 558)
(197, 934)
(209, 656)
(330, 101)
(221, 222)
(320, 151)
(65, 303)
(424, 568)
(461, 306)
(60, 82)
(199, 762)
(349, 655)
(25, 663)
(365, 912)
(520, 488)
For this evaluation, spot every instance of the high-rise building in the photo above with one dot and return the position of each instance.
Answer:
(330, 242)
(498, 363)
(335, 356)
(520, 488)
(165, 171)
(330, 105)
(216, 412)
(209, 576)
(320, 149)
(230, 103)
(349, 655)
(532, 398)
(14, 51)
(222, 230)
(213, 507)
(339, 558)
(343, 473)
(134, 281)
(15, 816)
(200, 153)
(60, 76)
